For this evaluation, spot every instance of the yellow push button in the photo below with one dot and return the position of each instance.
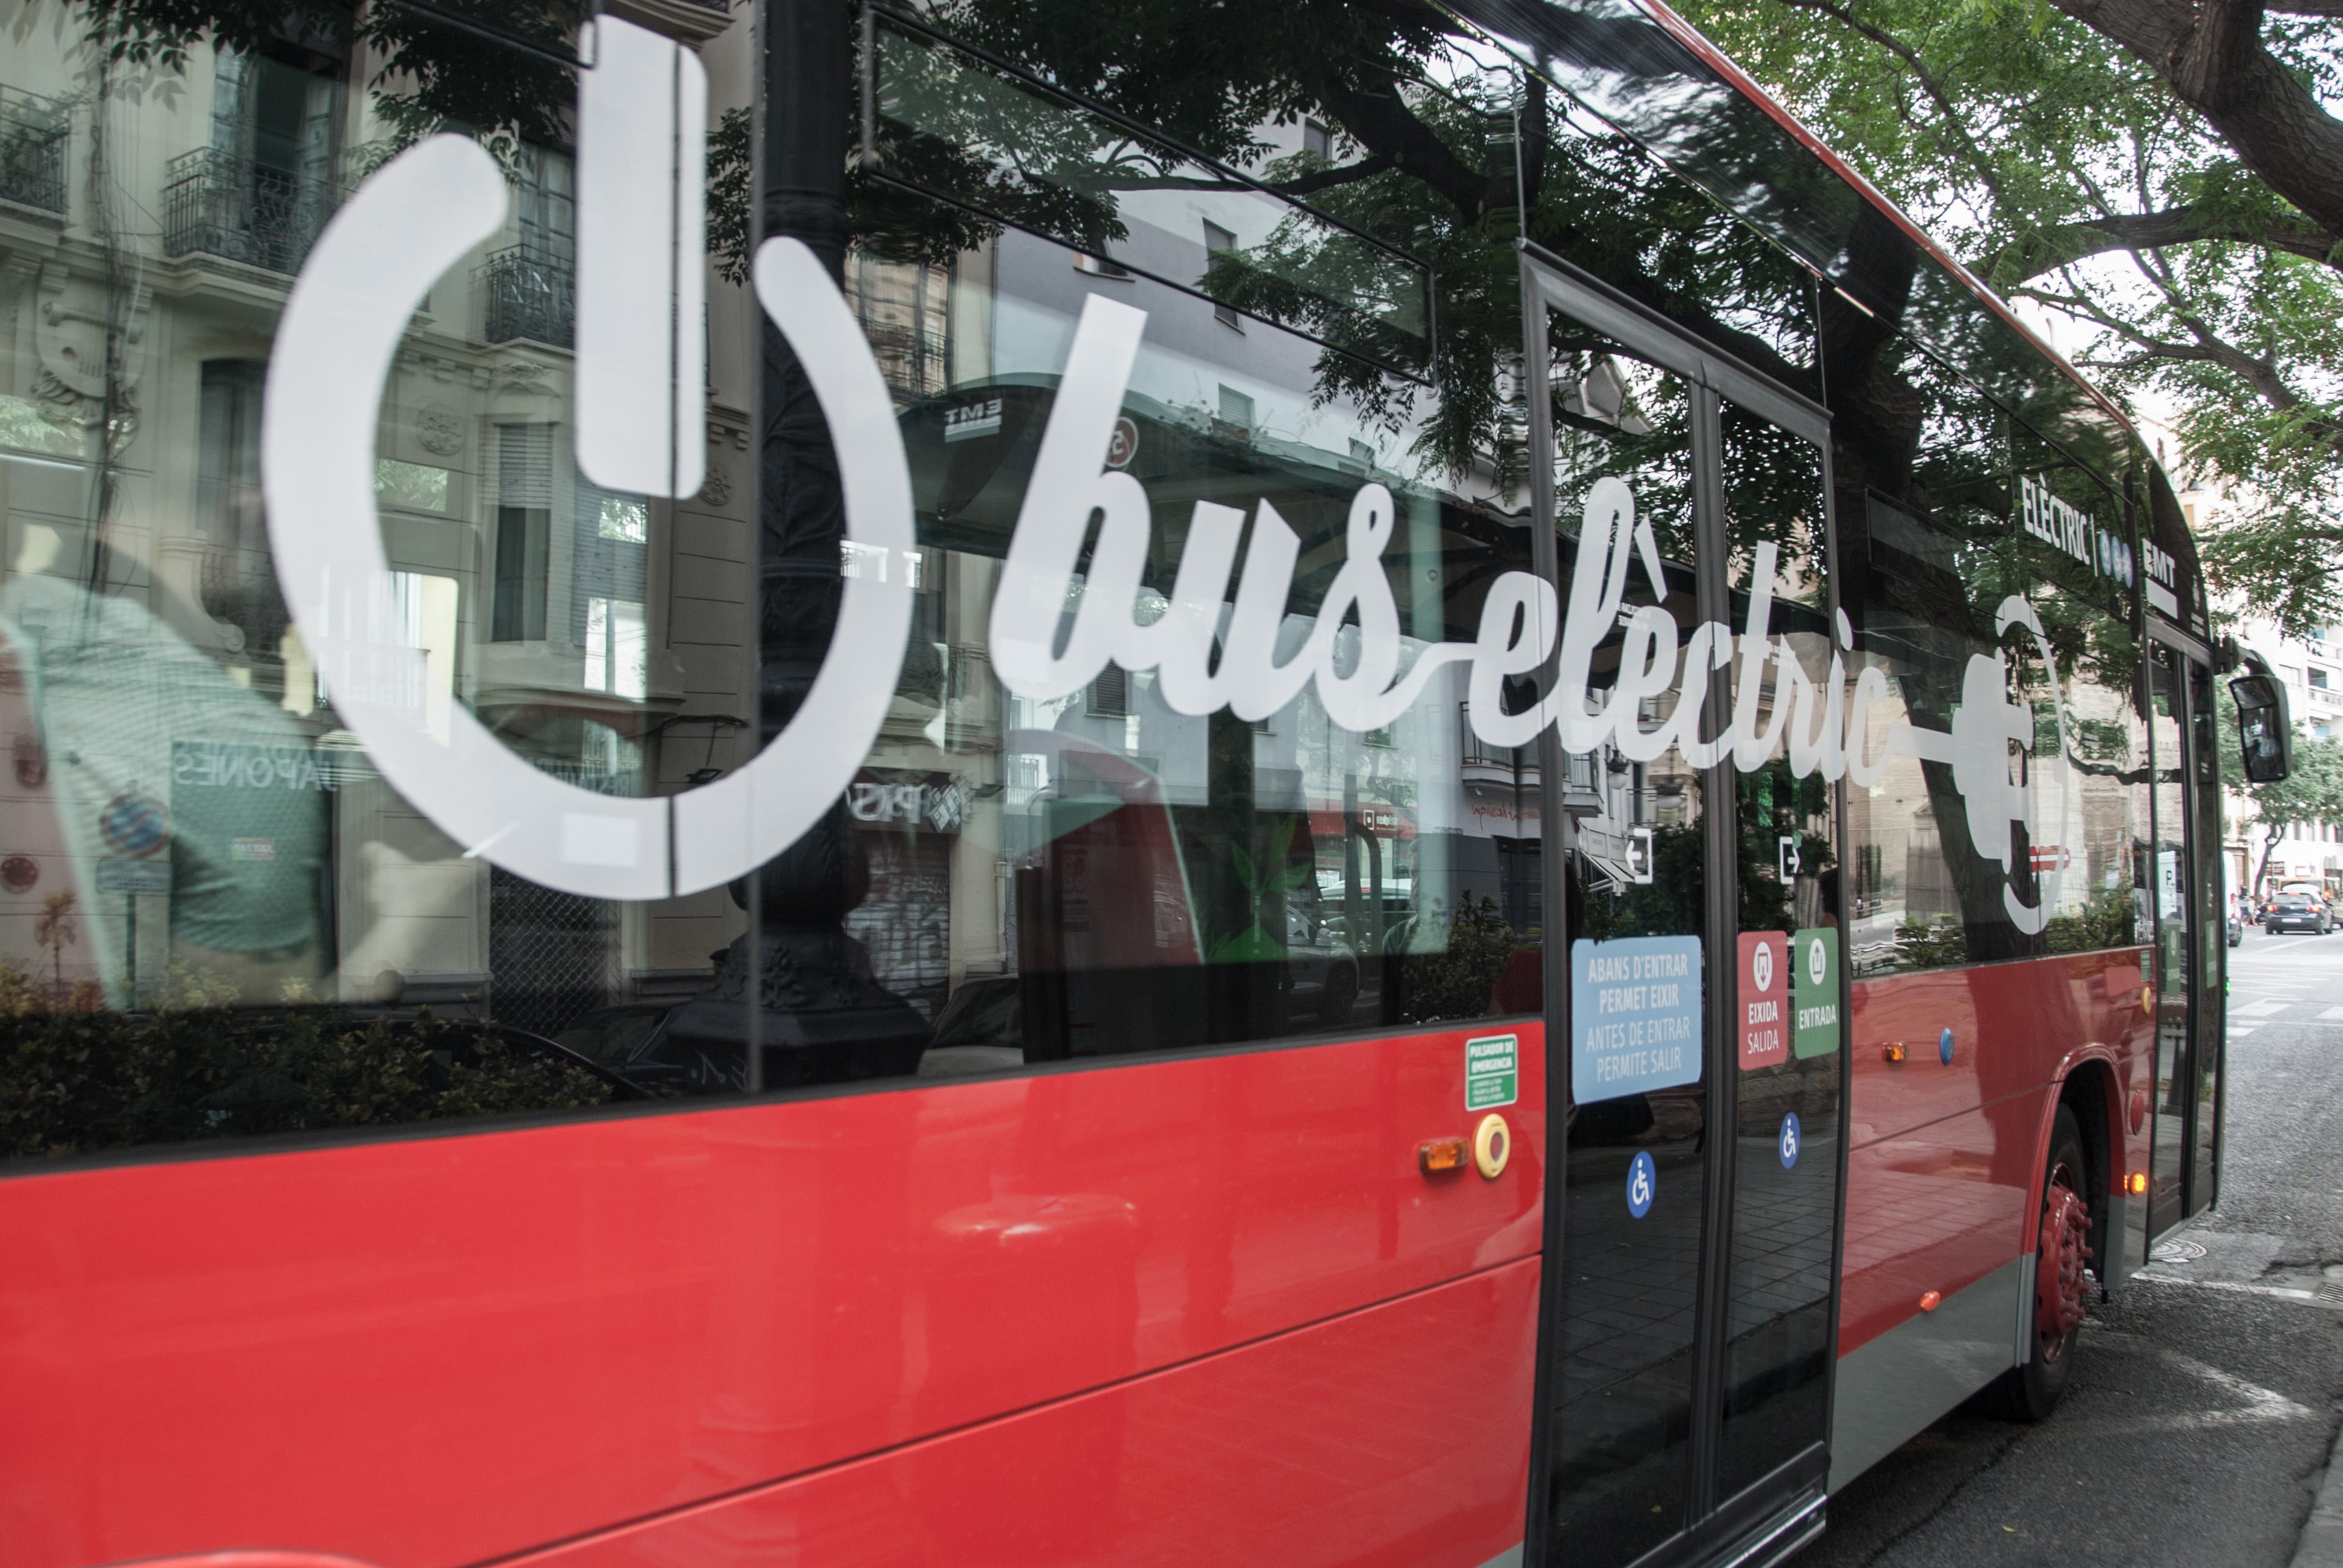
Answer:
(1493, 1145)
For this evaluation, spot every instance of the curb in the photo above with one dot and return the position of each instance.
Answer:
(2321, 1545)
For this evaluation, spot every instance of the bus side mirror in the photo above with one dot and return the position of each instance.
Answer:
(2264, 734)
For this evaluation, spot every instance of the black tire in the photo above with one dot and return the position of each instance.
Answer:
(2030, 1393)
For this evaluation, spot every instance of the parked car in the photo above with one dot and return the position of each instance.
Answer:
(630, 1040)
(2298, 912)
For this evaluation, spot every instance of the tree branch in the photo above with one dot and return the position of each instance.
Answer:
(2208, 348)
(2052, 248)
(1379, 120)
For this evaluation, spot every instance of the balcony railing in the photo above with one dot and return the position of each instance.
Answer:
(32, 150)
(215, 203)
(1476, 753)
(527, 293)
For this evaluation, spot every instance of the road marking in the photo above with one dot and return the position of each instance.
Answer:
(2238, 1028)
(2259, 1403)
(2260, 1008)
(2332, 1015)
(2284, 1292)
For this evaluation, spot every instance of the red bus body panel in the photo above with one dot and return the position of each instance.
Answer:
(1945, 1159)
(1392, 1436)
(432, 1351)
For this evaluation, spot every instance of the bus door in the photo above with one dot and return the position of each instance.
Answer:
(1687, 1340)
(2189, 930)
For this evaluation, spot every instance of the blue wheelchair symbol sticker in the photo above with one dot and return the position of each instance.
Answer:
(1643, 1183)
(1791, 1138)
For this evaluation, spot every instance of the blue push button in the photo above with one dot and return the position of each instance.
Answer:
(1945, 1048)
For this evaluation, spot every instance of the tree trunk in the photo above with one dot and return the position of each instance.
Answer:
(2212, 58)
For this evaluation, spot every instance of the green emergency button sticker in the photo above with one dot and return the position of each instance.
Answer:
(1493, 1071)
(1814, 992)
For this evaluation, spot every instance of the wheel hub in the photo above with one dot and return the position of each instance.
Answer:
(2059, 1257)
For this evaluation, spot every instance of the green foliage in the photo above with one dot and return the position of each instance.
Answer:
(2064, 169)
(75, 1078)
(2107, 921)
(1931, 944)
(2313, 792)
(1459, 982)
(1670, 904)
(1424, 159)
(731, 162)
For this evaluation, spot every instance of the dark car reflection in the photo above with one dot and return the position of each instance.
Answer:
(2298, 912)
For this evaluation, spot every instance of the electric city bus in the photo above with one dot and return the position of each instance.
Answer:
(996, 782)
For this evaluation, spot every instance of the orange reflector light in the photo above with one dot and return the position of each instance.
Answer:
(1894, 1050)
(1928, 1302)
(2135, 1184)
(1443, 1154)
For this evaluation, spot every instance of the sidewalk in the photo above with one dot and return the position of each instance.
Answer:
(2321, 1545)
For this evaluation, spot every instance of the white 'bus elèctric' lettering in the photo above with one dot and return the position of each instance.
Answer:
(416, 216)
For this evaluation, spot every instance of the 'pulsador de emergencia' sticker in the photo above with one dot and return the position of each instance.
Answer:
(1634, 1016)
(1493, 1071)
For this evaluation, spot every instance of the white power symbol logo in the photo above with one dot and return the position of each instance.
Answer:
(641, 369)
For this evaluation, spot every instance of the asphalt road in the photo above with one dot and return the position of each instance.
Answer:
(2205, 1397)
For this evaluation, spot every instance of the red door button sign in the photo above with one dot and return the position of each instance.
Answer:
(1765, 998)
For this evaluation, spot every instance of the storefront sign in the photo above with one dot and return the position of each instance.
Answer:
(930, 803)
(235, 765)
(1764, 999)
(1634, 1016)
(152, 877)
(1814, 992)
(968, 420)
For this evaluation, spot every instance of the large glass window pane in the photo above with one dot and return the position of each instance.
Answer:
(1270, 809)
(1778, 1350)
(2175, 959)
(1634, 1191)
(2212, 935)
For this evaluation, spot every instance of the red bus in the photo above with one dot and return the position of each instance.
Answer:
(967, 781)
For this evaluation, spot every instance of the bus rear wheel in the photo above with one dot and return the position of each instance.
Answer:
(2061, 1253)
